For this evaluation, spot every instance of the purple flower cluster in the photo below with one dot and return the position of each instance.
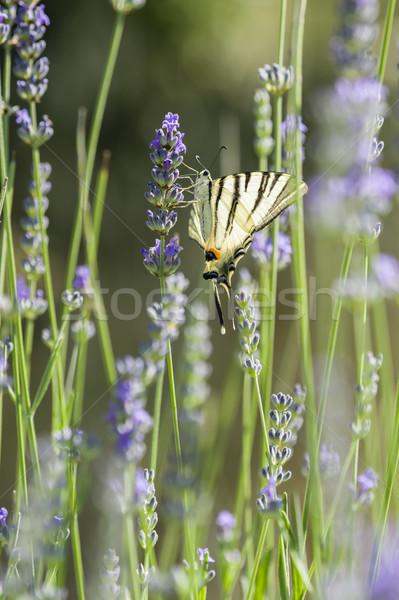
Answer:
(31, 302)
(367, 483)
(329, 462)
(262, 249)
(356, 193)
(385, 269)
(162, 260)
(289, 128)
(276, 78)
(31, 69)
(386, 584)
(148, 517)
(81, 280)
(356, 36)
(366, 392)
(264, 142)
(167, 317)
(30, 298)
(3, 518)
(167, 151)
(249, 336)
(31, 242)
(286, 417)
(128, 418)
(6, 348)
(226, 523)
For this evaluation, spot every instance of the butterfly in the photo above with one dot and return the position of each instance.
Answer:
(227, 212)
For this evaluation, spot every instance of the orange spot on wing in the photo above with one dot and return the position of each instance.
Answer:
(216, 252)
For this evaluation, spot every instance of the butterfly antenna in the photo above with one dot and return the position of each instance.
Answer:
(219, 309)
(197, 158)
(218, 153)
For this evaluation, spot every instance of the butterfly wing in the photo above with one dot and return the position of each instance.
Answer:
(201, 218)
(245, 203)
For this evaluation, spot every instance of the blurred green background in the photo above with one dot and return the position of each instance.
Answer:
(199, 59)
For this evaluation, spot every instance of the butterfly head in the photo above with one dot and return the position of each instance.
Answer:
(201, 186)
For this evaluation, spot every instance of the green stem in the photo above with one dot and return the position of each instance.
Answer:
(130, 534)
(246, 466)
(102, 320)
(157, 419)
(277, 119)
(80, 382)
(258, 557)
(392, 469)
(59, 410)
(175, 421)
(300, 277)
(361, 337)
(22, 395)
(99, 200)
(93, 142)
(262, 416)
(332, 341)
(75, 535)
(386, 39)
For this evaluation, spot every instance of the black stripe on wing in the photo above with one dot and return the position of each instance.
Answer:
(218, 197)
(261, 191)
(234, 205)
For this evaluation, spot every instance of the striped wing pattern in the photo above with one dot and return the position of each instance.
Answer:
(239, 205)
(229, 210)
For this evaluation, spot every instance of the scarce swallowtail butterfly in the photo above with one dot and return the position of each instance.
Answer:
(228, 211)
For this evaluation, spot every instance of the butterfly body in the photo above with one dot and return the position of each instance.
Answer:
(228, 211)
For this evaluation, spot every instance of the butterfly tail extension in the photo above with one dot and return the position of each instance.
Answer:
(219, 309)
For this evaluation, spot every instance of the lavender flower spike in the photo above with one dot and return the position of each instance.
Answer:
(249, 336)
(31, 69)
(162, 264)
(164, 193)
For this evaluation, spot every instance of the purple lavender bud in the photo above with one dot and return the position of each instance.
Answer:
(203, 554)
(264, 142)
(386, 271)
(161, 221)
(23, 119)
(3, 517)
(32, 92)
(289, 128)
(367, 481)
(28, 134)
(82, 278)
(168, 264)
(262, 249)
(277, 79)
(386, 584)
(23, 292)
(226, 522)
(166, 152)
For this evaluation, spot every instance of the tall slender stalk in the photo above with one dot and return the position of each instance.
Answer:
(300, 278)
(75, 534)
(98, 117)
(59, 410)
(246, 467)
(277, 120)
(258, 557)
(361, 339)
(332, 341)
